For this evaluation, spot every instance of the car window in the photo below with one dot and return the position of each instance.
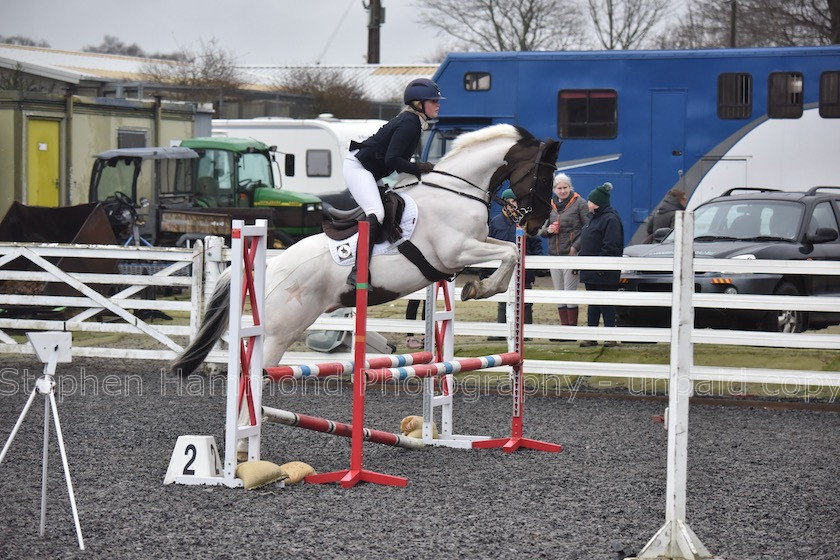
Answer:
(823, 217)
(748, 218)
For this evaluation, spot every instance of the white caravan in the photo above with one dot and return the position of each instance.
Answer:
(318, 147)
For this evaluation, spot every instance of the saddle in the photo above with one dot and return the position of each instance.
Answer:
(343, 224)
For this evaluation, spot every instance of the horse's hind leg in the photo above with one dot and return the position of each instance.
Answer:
(473, 252)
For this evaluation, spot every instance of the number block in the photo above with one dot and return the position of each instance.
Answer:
(194, 456)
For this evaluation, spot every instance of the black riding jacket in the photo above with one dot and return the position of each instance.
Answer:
(391, 148)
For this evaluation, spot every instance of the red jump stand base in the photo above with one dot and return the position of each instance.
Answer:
(516, 441)
(349, 478)
(509, 445)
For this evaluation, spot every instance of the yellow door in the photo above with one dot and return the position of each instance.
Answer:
(43, 163)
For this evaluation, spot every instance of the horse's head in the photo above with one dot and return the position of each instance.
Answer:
(530, 166)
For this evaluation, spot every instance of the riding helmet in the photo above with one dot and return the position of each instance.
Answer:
(421, 89)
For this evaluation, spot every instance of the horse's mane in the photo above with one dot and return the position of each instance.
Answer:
(493, 132)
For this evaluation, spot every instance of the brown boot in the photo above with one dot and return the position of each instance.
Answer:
(563, 312)
(572, 316)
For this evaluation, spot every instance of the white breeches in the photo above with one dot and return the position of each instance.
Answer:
(363, 187)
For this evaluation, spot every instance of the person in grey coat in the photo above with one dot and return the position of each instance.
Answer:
(569, 213)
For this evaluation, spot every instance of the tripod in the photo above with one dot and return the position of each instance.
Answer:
(51, 348)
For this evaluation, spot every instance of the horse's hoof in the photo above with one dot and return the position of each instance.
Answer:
(469, 291)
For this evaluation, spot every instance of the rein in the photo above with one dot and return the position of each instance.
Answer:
(487, 197)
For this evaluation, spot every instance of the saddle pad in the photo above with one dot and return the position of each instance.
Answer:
(344, 251)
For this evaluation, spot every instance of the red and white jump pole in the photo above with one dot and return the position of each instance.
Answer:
(317, 424)
(355, 474)
(441, 368)
(341, 368)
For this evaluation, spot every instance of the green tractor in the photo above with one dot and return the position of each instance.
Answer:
(175, 196)
(237, 173)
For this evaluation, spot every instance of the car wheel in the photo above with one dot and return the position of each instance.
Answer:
(788, 321)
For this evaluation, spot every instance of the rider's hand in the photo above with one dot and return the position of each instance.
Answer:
(425, 167)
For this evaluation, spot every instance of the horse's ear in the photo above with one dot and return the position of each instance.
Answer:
(552, 149)
(500, 175)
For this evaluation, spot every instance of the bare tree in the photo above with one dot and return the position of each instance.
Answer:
(329, 90)
(757, 23)
(507, 25)
(625, 24)
(112, 45)
(23, 41)
(17, 79)
(205, 75)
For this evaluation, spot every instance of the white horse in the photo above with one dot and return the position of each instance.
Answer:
(451, 232)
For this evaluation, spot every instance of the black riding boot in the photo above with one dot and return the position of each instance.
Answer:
(375, 233)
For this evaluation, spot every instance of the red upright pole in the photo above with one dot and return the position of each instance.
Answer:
(515, 441)
(356, 473)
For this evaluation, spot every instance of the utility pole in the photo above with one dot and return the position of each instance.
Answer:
(732, 26)
(376, 18)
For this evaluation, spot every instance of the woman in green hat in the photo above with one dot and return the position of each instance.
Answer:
(603, 236)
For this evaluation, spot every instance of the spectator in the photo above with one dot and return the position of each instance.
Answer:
(412, 341)
(665, 214)
(503, 227)
(603, 236)
(568, 216)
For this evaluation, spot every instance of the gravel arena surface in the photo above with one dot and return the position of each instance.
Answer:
(762, 483)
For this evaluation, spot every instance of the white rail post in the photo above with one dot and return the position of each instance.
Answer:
(675, 539)
(440, 340)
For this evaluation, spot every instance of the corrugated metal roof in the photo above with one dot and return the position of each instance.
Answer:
(380, 82)
(88, 66)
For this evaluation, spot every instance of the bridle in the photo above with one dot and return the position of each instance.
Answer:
(521, 212)
(486, 197)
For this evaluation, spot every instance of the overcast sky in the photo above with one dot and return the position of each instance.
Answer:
(254, 31)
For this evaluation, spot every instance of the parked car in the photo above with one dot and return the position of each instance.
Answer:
(750, 224)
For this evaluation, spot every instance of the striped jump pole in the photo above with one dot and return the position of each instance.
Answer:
(344, 367)
(317, 424)
(442, 368)
(516, 441)
(355, 474)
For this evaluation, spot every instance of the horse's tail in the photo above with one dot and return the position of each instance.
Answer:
(212, 328)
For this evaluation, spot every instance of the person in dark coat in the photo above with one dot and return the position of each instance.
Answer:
(503, 227)
(665, 214)
(603, 236)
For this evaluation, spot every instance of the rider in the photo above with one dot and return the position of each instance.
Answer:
(389, 150)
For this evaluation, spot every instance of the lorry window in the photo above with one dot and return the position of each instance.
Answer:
(734, 95)
(784, 95)
(318, 163)
(587, 113)
(830, 95)
(477, 81)
(440, 142)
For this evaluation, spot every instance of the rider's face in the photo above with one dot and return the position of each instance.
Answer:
(431, 107)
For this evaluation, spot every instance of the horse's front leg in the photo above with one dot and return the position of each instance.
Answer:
(474, 252)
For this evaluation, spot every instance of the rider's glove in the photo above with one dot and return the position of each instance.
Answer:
(425, 167)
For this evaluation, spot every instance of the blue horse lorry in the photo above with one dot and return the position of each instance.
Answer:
(705, 121)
